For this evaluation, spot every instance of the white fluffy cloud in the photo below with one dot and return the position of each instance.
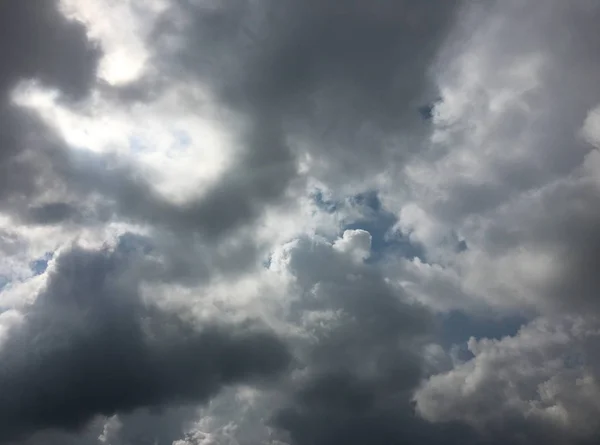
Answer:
(546, 373)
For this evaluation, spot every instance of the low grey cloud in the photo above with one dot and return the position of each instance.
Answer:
(89, 346)
(365, 358)
(38, 42)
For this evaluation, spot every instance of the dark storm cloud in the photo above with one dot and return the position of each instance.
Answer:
(365, 361)
(142, 427)
(15, 173)
(38, 42)
(530, 218)
(344, 409)
(51, 213)
(360, 371)
(332, 79)
(89, 346)
(34, 164)
(341, 75)
(318, 70)
(257, 178)
(35, 161)
(377, 53)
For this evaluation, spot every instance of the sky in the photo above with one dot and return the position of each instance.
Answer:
(299, 222)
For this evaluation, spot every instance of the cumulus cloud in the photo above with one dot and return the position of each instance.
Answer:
(340, 92)
(543, 379)
(507, 156)
(257, 222)
(512, 171)
(88, 346)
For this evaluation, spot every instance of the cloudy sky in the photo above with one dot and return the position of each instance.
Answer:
(299, 222)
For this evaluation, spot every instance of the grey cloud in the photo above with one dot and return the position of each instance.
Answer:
(292, 70)
(38, 42)
(51, 213)
(526, 204)
(293, 49)
(337, 80)
(36, 174)
(154, 426)
(560, 224)
(258, 178)
(514, 176)
(340, 75)
(342, 408)
(364, 361)
(536, 386)
(88, 346)
(35, 166)
(355, 66)
(141, 427)
(28, 150)
(548, 59)
(15, 174)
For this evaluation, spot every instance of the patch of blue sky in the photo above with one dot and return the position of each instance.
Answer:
(3, 282)
(136, 144)
(455, 328)
(427, 111)
(374, 219)
(182, 139)
(323, 203)
(134, 243)
(379, 223)
(39, 265)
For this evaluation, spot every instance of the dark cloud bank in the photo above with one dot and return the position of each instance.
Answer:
(89, 346)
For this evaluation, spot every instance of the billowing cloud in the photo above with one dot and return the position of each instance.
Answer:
(544, 380)
(38, 42)
(509, 170)
(260, 222)
(89, 346)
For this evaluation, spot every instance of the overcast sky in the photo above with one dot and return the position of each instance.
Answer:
(299, 222)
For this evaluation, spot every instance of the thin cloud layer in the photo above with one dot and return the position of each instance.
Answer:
(257, 222)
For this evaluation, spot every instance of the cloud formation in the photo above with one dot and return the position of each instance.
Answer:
(257, 222)
(89, 346)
